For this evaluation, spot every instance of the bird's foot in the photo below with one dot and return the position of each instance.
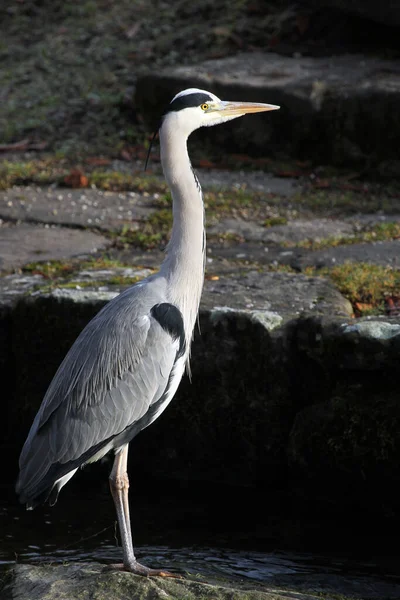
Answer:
(138, 569)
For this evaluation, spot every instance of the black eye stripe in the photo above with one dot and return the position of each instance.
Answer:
(188, 101)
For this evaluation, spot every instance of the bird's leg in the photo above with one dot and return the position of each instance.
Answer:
(119, 485)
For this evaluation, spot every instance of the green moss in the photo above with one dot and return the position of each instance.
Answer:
(119, 182)
(277, 268)
(227, 237)
(222, 202)
(271, 222)
(382, 232)
(365, 285)
(118, 280)
(54, 169)
(336, 202)
(246, 205)
(42, 172)
(155, 232)
(55, 269)
(62, 274)
(377, 233)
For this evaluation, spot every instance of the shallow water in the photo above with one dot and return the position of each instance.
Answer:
(304, 572)
(84, 529)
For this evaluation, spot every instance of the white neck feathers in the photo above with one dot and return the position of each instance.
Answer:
(183, 266)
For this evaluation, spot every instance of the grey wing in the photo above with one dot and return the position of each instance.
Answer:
(119, 367)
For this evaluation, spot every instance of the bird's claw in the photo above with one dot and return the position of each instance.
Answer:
(161, 573)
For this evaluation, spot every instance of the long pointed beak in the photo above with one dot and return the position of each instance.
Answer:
(242, 108)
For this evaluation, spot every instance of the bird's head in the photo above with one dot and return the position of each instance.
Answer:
(194, 108)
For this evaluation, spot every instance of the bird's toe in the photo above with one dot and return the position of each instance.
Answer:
(138, 569)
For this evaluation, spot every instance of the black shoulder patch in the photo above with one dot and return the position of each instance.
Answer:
(188, 101)
(171, 320)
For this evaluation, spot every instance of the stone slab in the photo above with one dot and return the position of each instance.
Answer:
(94, 208)
(284, 295)
(13, 286)
(325, 103)
(23, 243)
(385, 254)
(259, 181)
(293, 232)
(377, 253)
(89, 208)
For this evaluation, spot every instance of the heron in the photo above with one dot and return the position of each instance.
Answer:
(126, 365)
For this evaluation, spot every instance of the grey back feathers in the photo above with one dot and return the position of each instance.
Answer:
(126, 365)
(117, 369)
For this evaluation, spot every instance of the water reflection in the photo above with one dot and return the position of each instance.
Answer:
(256, 566)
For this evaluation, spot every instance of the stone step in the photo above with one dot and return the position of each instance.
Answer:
(342, 109)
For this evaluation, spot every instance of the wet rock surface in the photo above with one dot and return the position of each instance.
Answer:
(69, 582)
(264, 577)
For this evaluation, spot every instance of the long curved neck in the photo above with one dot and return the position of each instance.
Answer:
(183, 266)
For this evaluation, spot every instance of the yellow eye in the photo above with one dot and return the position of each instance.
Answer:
(204, 106)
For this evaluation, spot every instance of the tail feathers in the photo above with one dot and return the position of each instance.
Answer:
(40, 478)
(46, 489)
(32, 503)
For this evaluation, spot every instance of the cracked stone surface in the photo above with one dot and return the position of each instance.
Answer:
(64, 223)
(87, 208)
